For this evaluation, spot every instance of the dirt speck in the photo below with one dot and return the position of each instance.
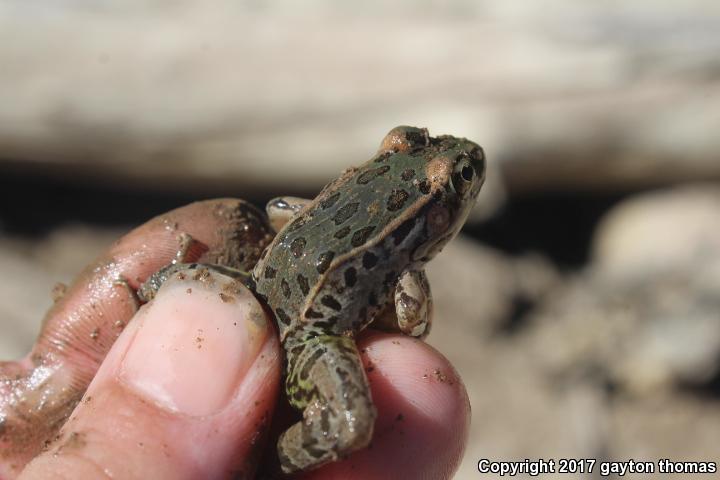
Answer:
(232, 288)
(203, 275)
(441, 377)
(73, 441)
(58, 291)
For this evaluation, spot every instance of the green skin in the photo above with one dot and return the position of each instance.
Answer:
(353, 255)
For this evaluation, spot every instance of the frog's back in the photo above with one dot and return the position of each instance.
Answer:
(333, 266)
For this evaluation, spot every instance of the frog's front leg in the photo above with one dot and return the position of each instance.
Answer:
(281, 210)
(326, 379)
(149, 288)
(413, 303)
(412, 307)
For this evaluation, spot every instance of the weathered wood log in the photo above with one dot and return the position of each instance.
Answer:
(572, 95)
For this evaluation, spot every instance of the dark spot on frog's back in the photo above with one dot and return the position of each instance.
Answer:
(310, 313)
(397, 199)
(330, 201)
(345, 212)
(361, 236)
(369, 260)
(331, 302)
(297, 246)
(350, 277)
(424, 187)
(270, 272)
(342, 233)
(282, 316)
(285, 287)
(303, 284)
(383, 156)
(295, 224)
(407, 174)
(368, 176)
(323, 261)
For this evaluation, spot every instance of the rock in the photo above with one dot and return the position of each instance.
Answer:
(668, 230)
(644, 315)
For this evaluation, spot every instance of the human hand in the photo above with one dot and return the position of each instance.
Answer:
(189, 388)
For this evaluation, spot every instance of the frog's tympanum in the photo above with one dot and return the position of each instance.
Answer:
(352, 255)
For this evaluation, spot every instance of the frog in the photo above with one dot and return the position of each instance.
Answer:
(351, 257)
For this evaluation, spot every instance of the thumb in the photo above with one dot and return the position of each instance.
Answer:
(186, 392)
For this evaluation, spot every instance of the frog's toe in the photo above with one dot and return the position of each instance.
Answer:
(324, 436)
(281, 210)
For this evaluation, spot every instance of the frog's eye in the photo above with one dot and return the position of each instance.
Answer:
(463, 176)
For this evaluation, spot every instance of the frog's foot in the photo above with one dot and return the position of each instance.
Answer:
(148, 290)
(413, 303)
(281, 210)
(412, 309)
(327, 380)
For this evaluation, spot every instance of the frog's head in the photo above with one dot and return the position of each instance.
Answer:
(454, 172)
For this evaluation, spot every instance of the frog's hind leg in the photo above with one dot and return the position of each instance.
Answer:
(281, 210)
(326, 379)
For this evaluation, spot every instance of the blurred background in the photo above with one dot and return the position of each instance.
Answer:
(582, 304)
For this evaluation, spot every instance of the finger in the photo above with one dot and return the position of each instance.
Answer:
(423, 414)
(38, 393)
(186, 392)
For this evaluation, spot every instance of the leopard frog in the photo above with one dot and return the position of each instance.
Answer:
(352, 255)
